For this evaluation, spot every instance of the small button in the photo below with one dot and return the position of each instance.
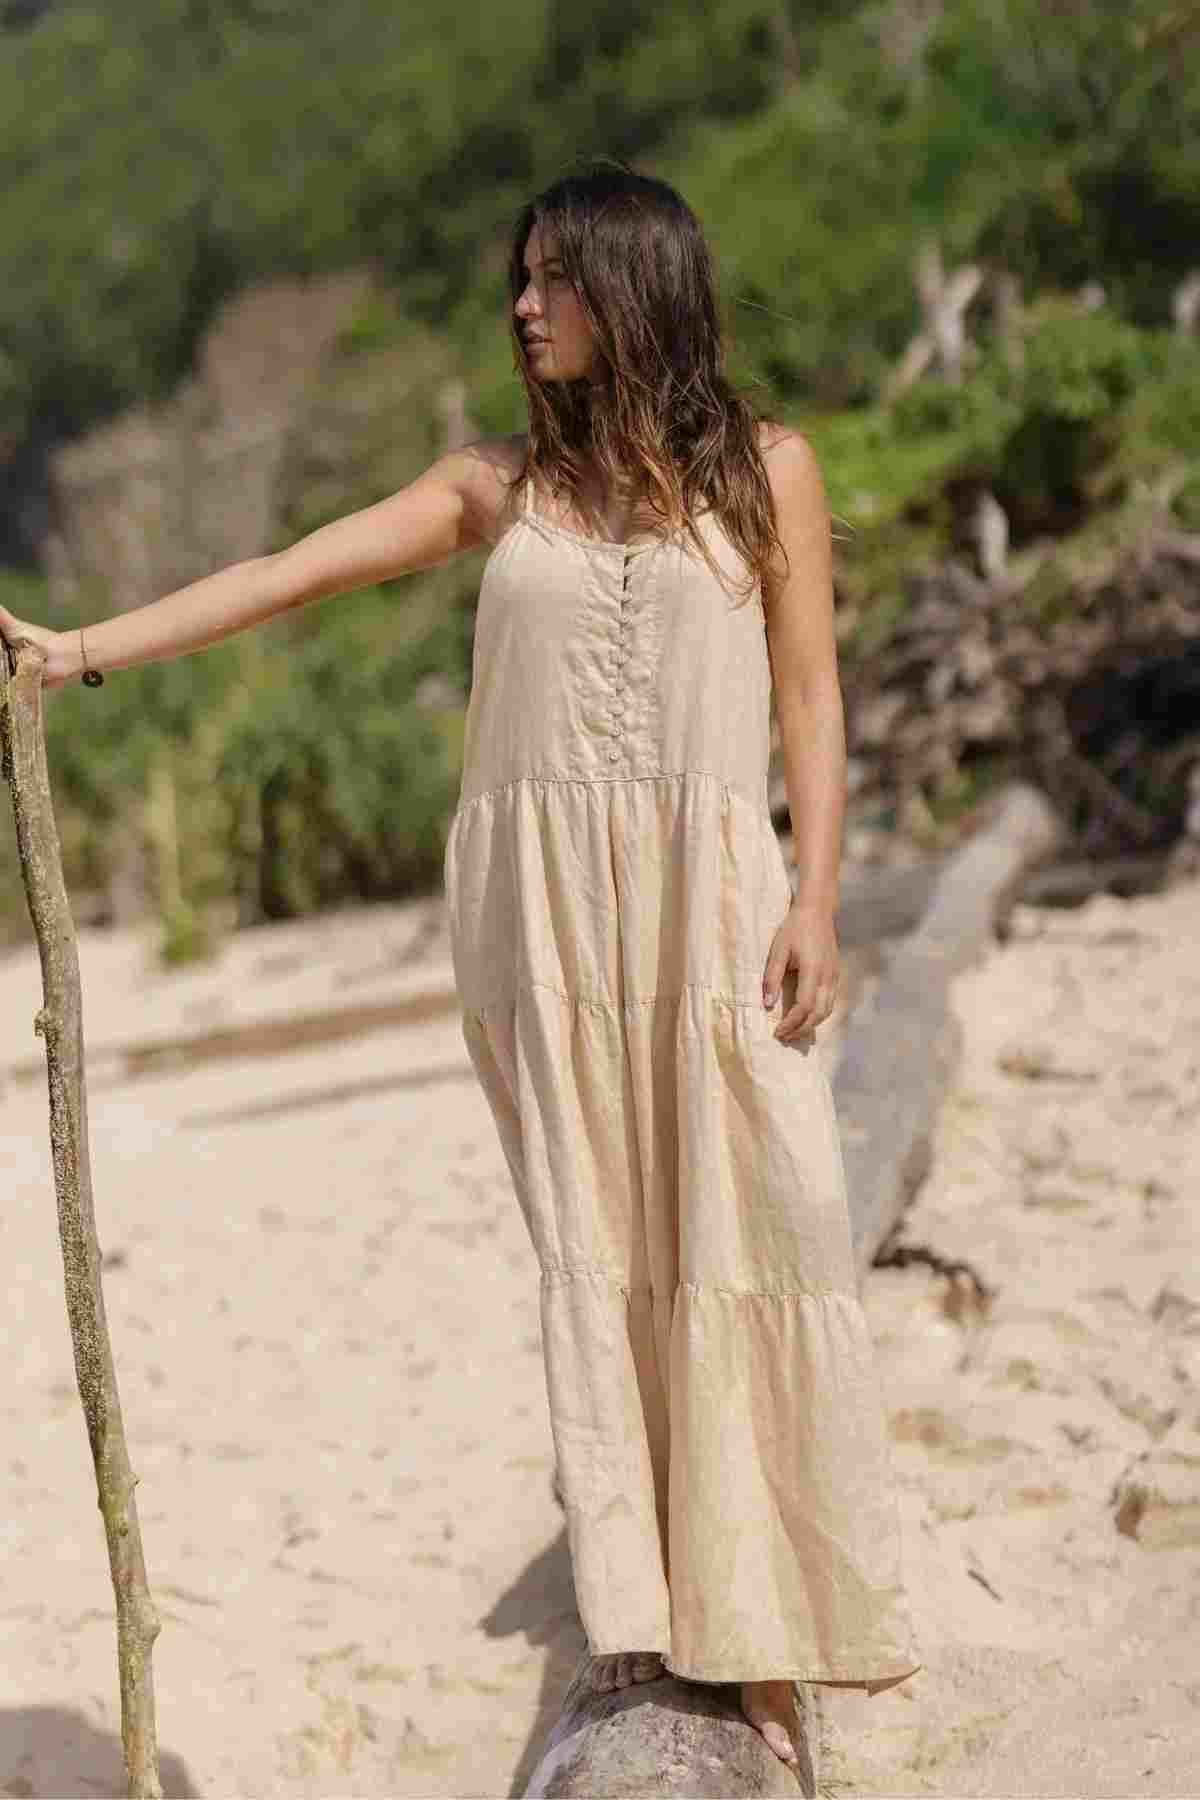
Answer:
(614, 756)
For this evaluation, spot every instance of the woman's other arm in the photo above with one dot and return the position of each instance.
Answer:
(803, 652)
(444, 511)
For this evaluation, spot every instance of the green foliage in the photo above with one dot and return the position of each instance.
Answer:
(160, 155)
(1091, 405)
(163, 154)
(274, 773)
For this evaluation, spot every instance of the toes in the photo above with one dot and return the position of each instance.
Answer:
(778, 1739)
(760, 1707)
(620, 1671)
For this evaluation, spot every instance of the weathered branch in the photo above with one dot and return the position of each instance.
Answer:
(60, 1025)
(977, 672)
(943, 334)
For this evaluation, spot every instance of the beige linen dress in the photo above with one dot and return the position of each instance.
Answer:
(613, 884)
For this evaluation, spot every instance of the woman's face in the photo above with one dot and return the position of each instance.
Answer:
(559, 343)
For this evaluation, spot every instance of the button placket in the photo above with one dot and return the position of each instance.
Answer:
(620, 654)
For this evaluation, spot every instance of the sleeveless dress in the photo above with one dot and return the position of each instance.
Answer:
(613, 883)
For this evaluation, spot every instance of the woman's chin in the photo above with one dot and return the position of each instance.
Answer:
(545, 366)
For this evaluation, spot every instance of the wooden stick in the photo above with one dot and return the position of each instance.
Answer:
(60, 1025)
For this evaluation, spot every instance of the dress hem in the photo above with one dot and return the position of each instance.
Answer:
(870, 1686)
(828, 1677)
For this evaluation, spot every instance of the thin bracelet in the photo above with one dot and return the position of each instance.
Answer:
(91, 677)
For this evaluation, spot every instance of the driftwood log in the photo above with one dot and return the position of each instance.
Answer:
(671, 1737)
(667, 1737)
(60, 1025)
(902, 1044)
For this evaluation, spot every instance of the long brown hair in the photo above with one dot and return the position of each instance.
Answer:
(663, 411)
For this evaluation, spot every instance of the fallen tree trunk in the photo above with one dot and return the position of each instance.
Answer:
(901, 1045)
(667, 1737)
(59, 1024)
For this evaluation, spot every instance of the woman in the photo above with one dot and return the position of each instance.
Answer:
(640, 984)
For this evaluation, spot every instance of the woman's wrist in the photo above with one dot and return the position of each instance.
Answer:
(65, 659)
(816, 905)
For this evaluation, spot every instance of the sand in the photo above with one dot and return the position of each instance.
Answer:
(324, 1314)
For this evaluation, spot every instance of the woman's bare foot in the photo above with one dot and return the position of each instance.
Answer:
(610, 1672)
(770, 1707)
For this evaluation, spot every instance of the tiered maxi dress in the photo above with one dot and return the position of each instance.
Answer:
(613, 883)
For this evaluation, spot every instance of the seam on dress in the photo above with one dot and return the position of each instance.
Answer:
(562, 1272)
(760, 812)
(559, 1273)
(608, 1006)
(833, 1675)
(538, 522)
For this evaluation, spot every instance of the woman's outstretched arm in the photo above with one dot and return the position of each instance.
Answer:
(441, 513)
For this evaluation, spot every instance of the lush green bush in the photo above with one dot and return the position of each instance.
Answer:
(272, 774)
(163, 154)
(1092, 406)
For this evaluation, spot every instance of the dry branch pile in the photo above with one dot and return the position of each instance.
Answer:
(1092, 693)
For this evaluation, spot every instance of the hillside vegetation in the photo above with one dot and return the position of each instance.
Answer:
(253, 277)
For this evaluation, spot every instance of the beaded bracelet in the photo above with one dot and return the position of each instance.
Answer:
(91, 677)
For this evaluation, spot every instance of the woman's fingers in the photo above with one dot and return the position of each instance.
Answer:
(809, 948)
(16, 631)
(806, 1014)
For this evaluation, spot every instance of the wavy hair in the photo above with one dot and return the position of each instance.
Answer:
(660, 409)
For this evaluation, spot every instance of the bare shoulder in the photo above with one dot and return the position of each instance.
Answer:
(485, 472)
(802, 517)
(791, 464)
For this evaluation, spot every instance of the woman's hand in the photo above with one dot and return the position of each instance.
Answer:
(806, 941)
(62, 661)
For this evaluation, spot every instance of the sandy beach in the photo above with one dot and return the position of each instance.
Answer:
(324, 1313)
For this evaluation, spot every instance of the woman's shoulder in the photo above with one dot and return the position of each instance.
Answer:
(494, 467)
(793, 471)
(779, 442)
